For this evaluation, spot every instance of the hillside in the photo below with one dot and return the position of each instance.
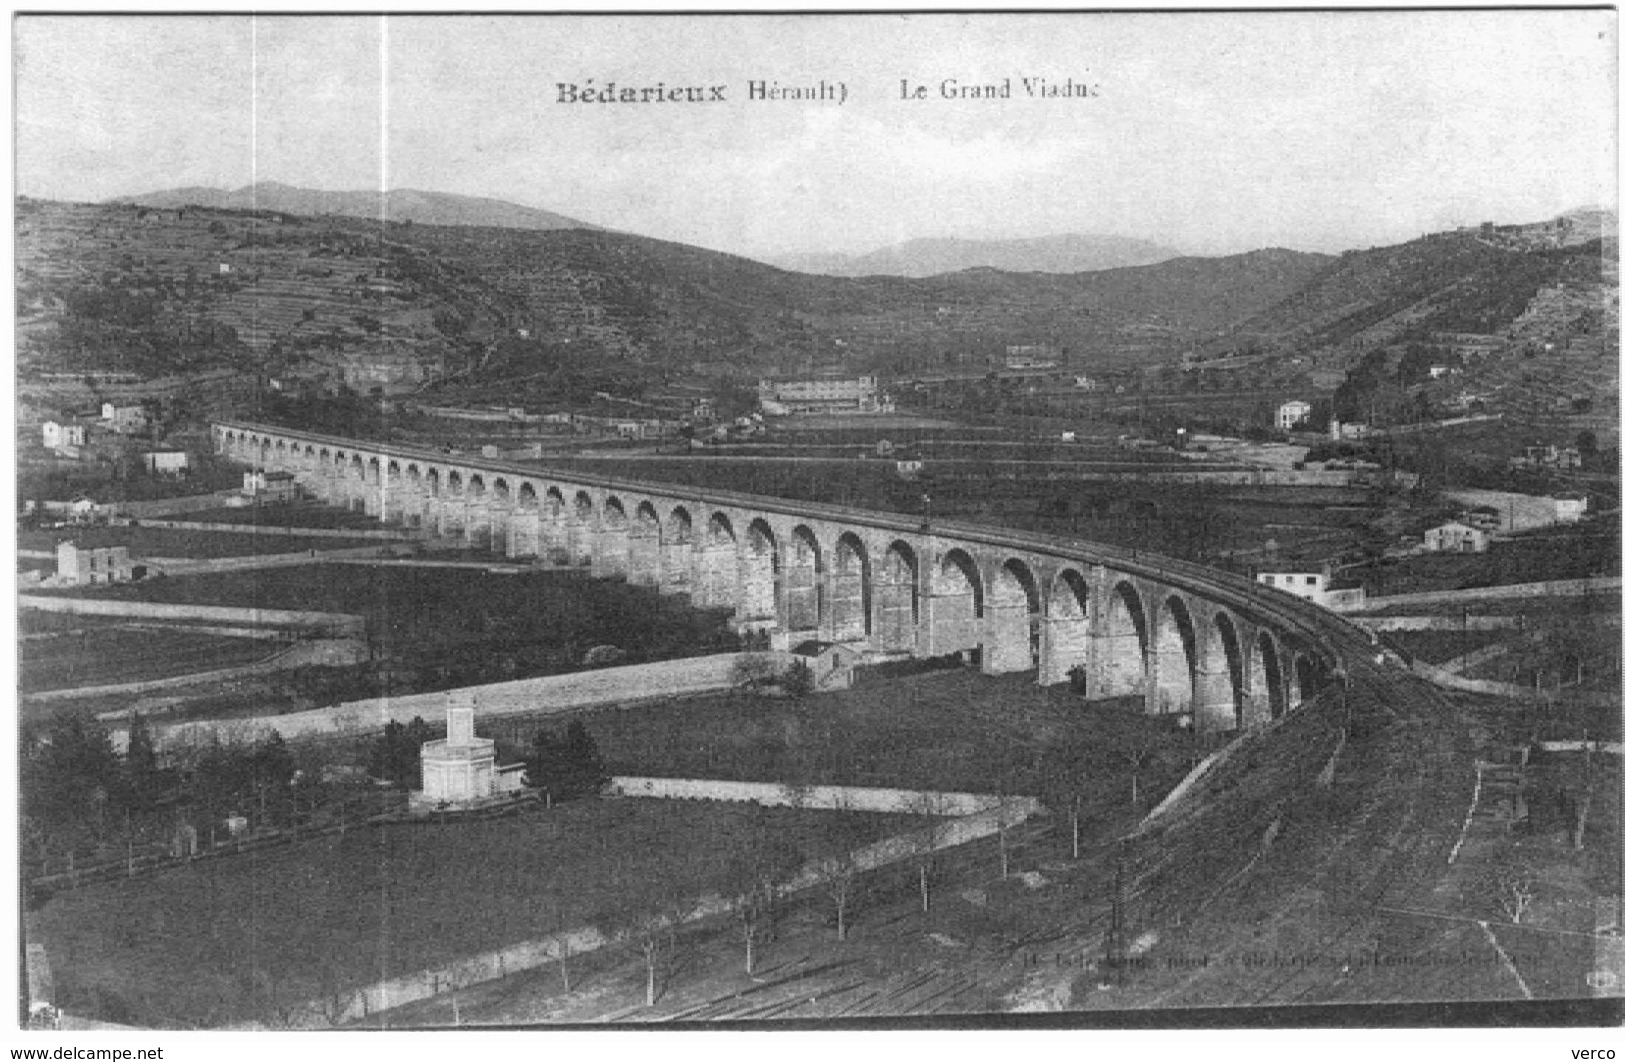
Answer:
(647, 298)
(1071, 253)
(156, 290)
(401, 204)
(1523, 320)
(1453, 282)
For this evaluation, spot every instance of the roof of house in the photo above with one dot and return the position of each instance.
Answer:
(815, 647)
(1292, 566)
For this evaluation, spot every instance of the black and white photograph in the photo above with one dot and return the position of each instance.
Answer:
(842, 521)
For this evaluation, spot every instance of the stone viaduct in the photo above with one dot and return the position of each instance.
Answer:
(1222, 651)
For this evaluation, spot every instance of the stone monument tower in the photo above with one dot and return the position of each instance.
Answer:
(461, 770)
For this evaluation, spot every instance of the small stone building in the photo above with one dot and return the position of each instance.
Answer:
(832, 663)
(461, 770)
(166, 462)
(270, 486)
(61, 434)
(126, 420)
(1456, 537)
(1291, 414)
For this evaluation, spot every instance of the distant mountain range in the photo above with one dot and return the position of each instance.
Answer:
(1071, 253)
(401, 204)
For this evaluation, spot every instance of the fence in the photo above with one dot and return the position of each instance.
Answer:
(270, 527)
(829, 798)
(552, 694)
(1573, 698)
(768, 794)
(176, 567)
(334, 622)
(1555, 588)
(1440, 623)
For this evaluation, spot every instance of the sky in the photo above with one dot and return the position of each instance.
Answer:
(1212, 133)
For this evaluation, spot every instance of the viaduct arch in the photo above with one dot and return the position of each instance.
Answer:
(1213, 648)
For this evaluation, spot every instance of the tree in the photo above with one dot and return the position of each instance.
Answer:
(752, 671)
(271, 769)
(1510, 880)
(545, 765)
(587, 774)
(932, 809)
(1062, 784)
(140, 763)
(565, 770)
(840, 885)
(397, 755)
(761, 861)
(797, 680)
(74, 772)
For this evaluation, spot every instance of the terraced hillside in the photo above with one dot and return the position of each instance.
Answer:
(151, 290)
(1455, 282)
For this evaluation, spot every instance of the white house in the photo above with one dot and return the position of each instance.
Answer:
(1291, 414)
(1456, 537)
(77, 566)
(1349, 429)
(125, 420)
(1317, 585)
(1568, 507)
(169, 462)
(57, 434)
(269, 486)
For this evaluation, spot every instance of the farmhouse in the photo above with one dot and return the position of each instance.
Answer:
(1291, 414)
(126, 420)
(62, 434)
(831, 663)
(1349, 430)
(1568, 507)
(169, 462)
(1456, 537)
(1304, 580)
(270, 486)
(77, 566)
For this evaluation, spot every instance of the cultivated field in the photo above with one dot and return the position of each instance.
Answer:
(238, 939)
(95, 657)
(1572, 554)
(461, 627)
(955, 730)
